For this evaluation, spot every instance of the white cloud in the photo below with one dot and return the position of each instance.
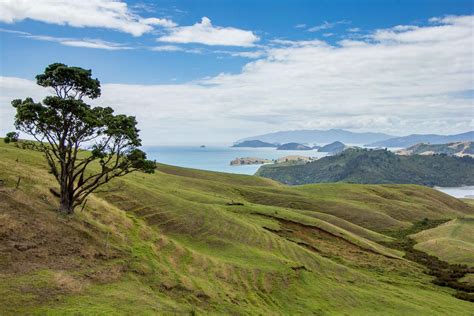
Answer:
(206, 33)
(398, 86)
(111, 14)
(252, 55)
(353, 29)
(326, 25)
(174, 48)
(300, 26)
(160, 22)
(167, 48)
(95, 43)
(74, 42)
(449, 28)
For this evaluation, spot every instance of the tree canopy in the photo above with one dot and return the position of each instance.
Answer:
(64, 126)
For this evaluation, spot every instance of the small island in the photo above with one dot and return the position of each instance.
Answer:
(333, 148)
(293, 146)
(249, 161)
(254, 144)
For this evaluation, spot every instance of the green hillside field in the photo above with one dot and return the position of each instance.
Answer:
(452, 242)
(184, 241)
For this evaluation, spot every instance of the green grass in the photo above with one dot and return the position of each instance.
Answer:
(452, 242)
(168, 243)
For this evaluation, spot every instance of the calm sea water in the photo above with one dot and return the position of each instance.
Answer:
(218, 158)
(458, 192)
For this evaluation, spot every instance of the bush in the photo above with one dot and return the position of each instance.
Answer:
(11, 137)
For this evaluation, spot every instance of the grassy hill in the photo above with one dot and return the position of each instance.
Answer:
(452, 242)
(377, 166)
(452, 149)
(178, 242)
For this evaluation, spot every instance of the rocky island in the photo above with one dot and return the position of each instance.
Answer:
(249, 161)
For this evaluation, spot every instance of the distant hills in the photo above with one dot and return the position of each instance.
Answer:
(254, 144)
(459, 149)
(414, 139)
(334, 148)
(377, 167)
(319, 137)
(293, 146)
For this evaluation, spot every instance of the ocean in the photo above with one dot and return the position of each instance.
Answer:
(458, 192)
(218, 158)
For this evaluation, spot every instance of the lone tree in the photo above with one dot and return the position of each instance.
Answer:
(64, 124)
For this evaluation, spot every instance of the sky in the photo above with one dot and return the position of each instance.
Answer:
(212, 72)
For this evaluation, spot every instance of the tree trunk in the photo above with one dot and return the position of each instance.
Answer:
(66, 204)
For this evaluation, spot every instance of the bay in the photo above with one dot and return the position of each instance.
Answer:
(458, 192)
(218, 158)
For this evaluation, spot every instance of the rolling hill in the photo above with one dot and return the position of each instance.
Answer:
(377, 167)
(453, 241)
(184, 241)
(459, 149)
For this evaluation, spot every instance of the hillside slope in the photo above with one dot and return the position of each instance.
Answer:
(176, 242)
(377, 166)
(458, 149)
(453, 241)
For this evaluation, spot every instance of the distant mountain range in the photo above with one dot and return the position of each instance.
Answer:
(319, 137)
(410, 140)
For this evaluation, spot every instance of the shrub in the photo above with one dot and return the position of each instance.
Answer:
(11, 137)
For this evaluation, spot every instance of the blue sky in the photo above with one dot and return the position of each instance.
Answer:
(203, 64)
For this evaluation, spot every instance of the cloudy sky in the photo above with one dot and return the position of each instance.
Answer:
(213, 72)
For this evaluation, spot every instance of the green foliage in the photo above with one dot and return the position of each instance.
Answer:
(69, 82)
(377, 167)
(64, 124)
(11, 137)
